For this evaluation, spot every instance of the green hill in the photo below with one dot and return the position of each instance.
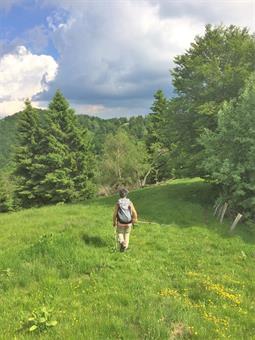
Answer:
(97, 126)
(183, 277)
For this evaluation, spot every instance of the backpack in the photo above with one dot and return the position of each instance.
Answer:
(124, 215)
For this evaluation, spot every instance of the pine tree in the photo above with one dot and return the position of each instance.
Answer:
(27, 135)
(156, 118)
(6, 192)
(65, 164)
(157, 151)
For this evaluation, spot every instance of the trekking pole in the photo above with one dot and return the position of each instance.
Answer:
(148, 222)
(115, 237)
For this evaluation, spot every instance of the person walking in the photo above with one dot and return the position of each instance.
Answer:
(124, 217)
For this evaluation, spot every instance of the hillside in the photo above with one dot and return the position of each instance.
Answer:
(97, 126)
(183, 277)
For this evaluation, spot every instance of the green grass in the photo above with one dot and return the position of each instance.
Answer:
(184, 276)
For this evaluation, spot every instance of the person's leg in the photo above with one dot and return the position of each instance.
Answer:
(126, 236)
(120, 233)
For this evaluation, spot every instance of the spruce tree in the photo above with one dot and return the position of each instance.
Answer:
(155, 121)
(64, 166)
(25, 152)
(157, 151)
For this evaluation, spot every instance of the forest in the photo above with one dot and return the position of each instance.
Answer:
(206, 130)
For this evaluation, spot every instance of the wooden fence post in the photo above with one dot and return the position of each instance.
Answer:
(237, 219)
(224, 209)
(216, 209)
(219, 211)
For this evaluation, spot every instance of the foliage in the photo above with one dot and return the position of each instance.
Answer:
(183, 273)
(213, 70)
(98, 128)
(6, 193)
(8, 128)
(124, 161)
(64, 166)
(28, 137)
(135, 127)
(156, 119)
(39, 321)
(158, 153)
(229, 151)
(8, 133)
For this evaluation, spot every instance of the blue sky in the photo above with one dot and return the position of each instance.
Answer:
(107, 57)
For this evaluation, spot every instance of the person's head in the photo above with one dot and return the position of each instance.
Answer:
(123, 192)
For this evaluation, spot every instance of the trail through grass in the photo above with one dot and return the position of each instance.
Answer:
(183, 277)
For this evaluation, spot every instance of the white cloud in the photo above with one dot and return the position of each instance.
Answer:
(23, 75)
(112, 52)
(237, 12)
(116, 52)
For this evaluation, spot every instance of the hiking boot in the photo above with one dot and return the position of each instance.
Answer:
(122, 247)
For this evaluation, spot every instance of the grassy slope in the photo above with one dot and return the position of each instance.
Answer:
(188, 278)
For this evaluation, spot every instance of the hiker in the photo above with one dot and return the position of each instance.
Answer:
(124, 217)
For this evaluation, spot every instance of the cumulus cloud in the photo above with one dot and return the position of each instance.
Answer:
(119, 53)
(113, 55)
(23, 75)
(238, 12)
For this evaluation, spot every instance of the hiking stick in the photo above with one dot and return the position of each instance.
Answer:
(115, 237)
(148, 222)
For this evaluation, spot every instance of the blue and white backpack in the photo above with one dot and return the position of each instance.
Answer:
(124, 214)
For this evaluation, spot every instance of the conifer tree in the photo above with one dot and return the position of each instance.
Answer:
(155, 122)
(157, 151)
(65, 164)
(27, 136)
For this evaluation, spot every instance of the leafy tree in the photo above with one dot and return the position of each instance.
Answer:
(229, 151)
(137, 127)
(25, 153)
(65, 166)
(124, 161)
(213, 70)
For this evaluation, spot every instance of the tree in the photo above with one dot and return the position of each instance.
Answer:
(213, 70)
(229, 151)
(158, 153)
(25, 153)
(155, 119)
(124, 161)
(6, 193)
(65, 166)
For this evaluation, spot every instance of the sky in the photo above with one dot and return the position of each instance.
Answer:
(107, 57)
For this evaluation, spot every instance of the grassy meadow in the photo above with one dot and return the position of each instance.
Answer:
(184, 277)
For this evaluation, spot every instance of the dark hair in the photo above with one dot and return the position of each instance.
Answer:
(123, 192)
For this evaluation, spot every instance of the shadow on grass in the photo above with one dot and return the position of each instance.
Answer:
(94, 241)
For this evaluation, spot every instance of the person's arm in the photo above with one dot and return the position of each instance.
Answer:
(133, 213)
(114, 217)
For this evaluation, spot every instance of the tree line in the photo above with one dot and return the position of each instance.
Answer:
(206, 129)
